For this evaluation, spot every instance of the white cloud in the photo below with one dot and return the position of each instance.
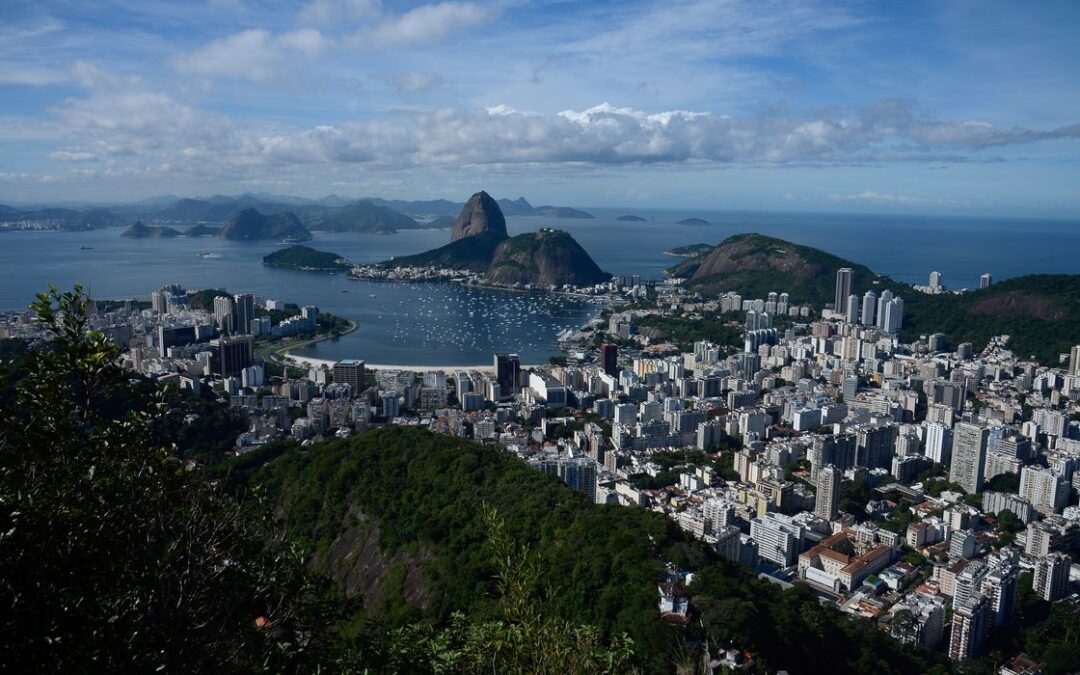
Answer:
(889, 199)
(424, 24)
(254, 54)
(148, 126)
(415, 83)
(333, 12)
(71, 156)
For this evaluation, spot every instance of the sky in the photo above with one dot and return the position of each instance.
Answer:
(950, 107)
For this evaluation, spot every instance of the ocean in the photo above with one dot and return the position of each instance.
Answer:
(445, 324)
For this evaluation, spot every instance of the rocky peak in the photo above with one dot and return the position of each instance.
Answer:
(481, 214)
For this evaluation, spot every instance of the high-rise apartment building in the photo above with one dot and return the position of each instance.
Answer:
(985, 280)
(885, 298)
(231, 354)
(969, 626)
(852, 309)
(869, 309)
(243, 313)
(939, 442)
(223, 314)
(969, 456)
(893, 320)
(351, 372)
(1051, 579)
(507, 373)
(609, 359)
(827, 494)
(935, 280)
(779, 538)
(1074, 361)
(1046, 491)
(843, 290)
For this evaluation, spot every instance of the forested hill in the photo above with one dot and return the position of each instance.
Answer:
(1040, 313)
(394, 516)
(755, 265)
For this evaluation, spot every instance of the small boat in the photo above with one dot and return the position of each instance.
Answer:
(372, 295)
(86, 248)
(344, 290)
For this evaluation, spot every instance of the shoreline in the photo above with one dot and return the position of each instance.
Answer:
(313, 362)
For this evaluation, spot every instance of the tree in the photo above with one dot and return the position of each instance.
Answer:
(114, 558)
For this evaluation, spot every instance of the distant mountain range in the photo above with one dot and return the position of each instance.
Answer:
(59, 218)
(331, 213)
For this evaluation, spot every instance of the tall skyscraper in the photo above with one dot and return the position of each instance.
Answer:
(843, 290)
(885, 299)
(609, 359)
(827, 495)
(1074, 361)
(507, 373)
(158, 301)
(223, 314)
(894, 316)
(869, 308)
(231, 354)
(852, 309)
(935, 280)
(939, 442)
(351, 372)
(969, 456)
(985, 280)
(243, 313)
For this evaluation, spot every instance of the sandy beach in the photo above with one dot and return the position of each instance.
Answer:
(311, 362)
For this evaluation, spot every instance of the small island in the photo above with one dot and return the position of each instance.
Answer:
(689, 251)
(307, 259)
(692, 221)
(632, 219)
(142, 231)
(561, 212)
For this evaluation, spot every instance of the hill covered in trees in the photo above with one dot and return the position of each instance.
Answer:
(1040, 313)
(306, 258)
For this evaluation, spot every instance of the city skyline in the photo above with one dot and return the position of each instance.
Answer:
(819, 107)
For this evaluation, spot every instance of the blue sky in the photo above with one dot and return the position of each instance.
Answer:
(931, 107)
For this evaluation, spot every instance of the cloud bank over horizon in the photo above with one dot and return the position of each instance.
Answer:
(357, 95)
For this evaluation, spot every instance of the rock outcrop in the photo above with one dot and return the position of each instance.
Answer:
(481, 215)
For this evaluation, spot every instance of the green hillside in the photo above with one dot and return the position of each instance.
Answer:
(305, 258)
(472, 253)
(1041, 313)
